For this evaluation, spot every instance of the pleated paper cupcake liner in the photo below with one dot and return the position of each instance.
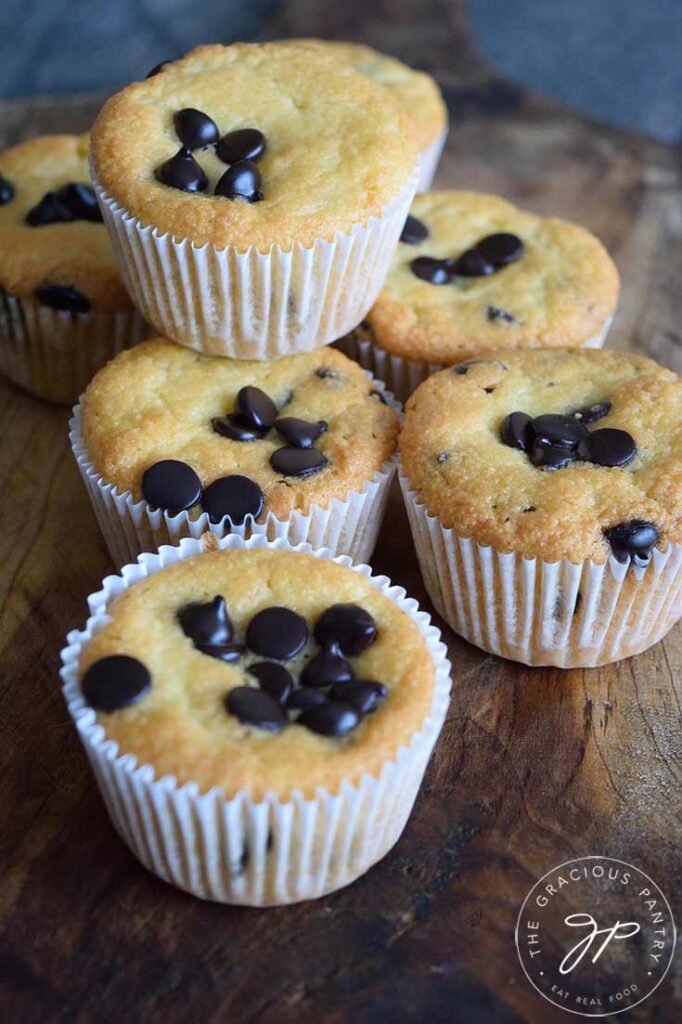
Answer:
(402, 376)
(130, 526)
(430, 158)
(54, 354)
(560, 613)
(231, 848)
(249, 304)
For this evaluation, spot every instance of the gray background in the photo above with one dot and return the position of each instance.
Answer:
(619, 60)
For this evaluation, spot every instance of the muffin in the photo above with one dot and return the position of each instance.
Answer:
(171, 443)
(417, 93)
(255, 194)
(474, 274)
(63, 308)
(544, 491)
(259, 719)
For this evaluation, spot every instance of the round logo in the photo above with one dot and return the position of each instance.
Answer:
(595, 936)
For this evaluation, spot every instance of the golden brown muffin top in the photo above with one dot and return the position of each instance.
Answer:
(74, 253)
(181, 725)
(417, 92)
(460, 467)
(339, 149)
(159, 400)
(560, 292)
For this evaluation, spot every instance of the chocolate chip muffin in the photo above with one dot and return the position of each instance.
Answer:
(554, 481)
(256, 192)
(280, 682)
(417, 93)
(173, 443)
(63, 308)
(474, 274)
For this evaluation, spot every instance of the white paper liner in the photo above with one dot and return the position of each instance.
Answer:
(248, 304)
(402, 376)
(237, 850)
(430, 158)
(54, 354)
(348, 527)
(544, 613)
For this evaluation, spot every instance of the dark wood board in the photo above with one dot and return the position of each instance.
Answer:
(534, 767)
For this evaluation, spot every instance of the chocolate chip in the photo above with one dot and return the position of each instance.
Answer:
(517, 431)
(348, 625)
(234, 496)
(243, 144)
(274, 679)
(414, 231)
(171, 485)
(224, 652)
(234, 428)
(115, 682)
(255, 707)
(501, 249)
(207, 624)
(277, 633)
(326, 668)
(301, 700)
(331, 719)
(495, 313)
(558, 431)
(194, 128)
(80, 200)
(432, 270)
(256, 408)
(549, 456)
(364, 695)
(62, 296)
(182, 172)
(6, 191)
(158, 67)
(610, 447)
(442, 457)
(48, 211)
(299, 462)
(633, 540)
(472, 264)
(593, 413)
(325, 373)
(464, 368)
(300, 433)
(241, 181)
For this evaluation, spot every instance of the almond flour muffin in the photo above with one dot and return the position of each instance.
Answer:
(475, 274)
(172, 443)
(63, 308)
(553, 481)
(293, 700)
(255, 193)
(417, 93)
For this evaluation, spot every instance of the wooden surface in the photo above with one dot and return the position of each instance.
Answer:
(533, 767)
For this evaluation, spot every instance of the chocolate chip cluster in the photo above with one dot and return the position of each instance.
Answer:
(486, 257)
(72, 202)
(239, 149)
(553, 441)
(174, 486)
(256, 415)
(326, 698)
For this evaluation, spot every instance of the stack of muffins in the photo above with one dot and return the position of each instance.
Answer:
(258, 708)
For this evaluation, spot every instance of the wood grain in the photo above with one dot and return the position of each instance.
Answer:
(534, 766)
